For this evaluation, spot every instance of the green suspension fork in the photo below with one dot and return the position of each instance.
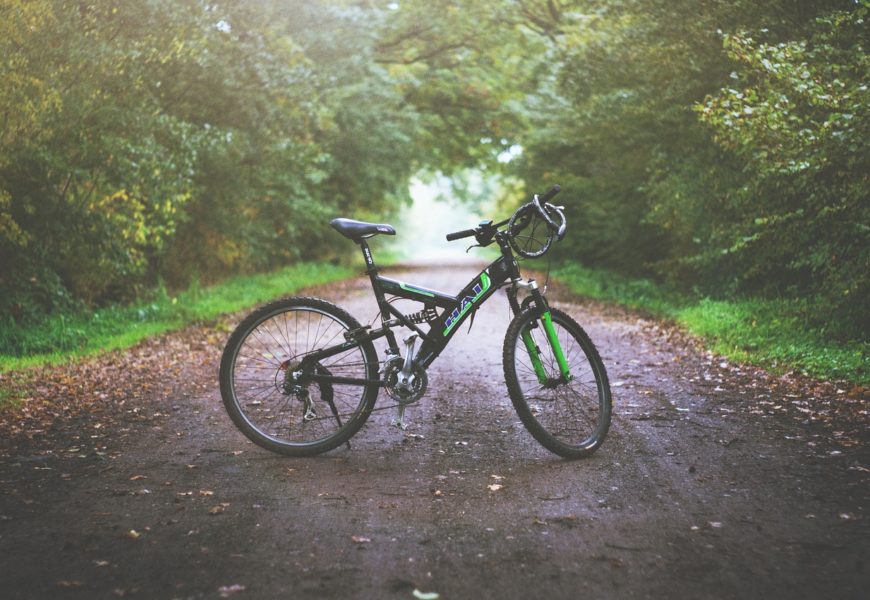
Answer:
(535, 354)
(547, 321)
(556, 346)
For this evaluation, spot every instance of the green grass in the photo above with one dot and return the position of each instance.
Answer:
(781, 335)
(64, 337)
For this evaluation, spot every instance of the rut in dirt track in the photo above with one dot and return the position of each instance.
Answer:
(693, 495)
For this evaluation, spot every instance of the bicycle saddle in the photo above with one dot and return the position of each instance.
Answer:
(358, 230)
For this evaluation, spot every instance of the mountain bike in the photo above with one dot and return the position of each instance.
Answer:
(300, 376)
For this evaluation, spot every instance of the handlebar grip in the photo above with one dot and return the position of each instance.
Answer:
(458, 235)
(551, 193)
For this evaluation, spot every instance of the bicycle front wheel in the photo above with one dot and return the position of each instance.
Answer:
(258, 386)
(564, 404)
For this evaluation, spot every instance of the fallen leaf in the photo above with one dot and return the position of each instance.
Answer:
(226, 591)
(138, 477)
(206, 493)
(358, 539)
(216, 510)
(494, 487)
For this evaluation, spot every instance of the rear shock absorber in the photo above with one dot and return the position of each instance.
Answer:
(426, 315)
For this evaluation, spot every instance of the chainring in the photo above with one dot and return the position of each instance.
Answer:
(404, 395)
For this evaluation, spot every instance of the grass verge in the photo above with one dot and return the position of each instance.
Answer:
(780, 335)
(67, 337)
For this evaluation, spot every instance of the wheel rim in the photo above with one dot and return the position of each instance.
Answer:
(570, 412)
(276, 345)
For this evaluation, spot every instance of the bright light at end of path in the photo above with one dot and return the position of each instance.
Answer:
(421, 227)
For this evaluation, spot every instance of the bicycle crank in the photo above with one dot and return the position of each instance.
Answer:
(404, 387)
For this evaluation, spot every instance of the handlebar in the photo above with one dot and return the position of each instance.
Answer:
(541, 203)
(484, 232)
(551, 193)
(458, 235)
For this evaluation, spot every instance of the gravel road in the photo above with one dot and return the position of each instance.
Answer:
(702, 489)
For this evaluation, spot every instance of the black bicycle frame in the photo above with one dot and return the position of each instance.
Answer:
(456, 309)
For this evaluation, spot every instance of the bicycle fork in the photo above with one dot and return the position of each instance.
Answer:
(550, 332)
(535, 352)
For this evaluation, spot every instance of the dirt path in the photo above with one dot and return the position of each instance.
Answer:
(707, 487)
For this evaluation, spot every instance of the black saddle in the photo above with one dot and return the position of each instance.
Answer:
(359, 230)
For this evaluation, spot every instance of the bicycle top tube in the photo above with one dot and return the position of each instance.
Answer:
(415, 292)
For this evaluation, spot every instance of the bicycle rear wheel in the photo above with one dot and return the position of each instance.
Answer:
(569, 416)
(257, 386)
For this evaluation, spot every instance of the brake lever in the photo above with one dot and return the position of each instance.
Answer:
(563, 225)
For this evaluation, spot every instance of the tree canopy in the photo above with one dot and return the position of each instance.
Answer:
(720, 145)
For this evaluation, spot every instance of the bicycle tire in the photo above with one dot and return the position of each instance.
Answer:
(270, 342)
(572, 418)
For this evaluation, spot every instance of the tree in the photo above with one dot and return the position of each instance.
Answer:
(797, 114)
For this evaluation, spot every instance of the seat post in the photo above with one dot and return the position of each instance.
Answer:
(371, 269)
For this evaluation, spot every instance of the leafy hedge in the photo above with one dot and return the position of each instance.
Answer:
(719, 147)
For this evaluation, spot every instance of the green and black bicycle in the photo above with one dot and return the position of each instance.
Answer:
(300, 376)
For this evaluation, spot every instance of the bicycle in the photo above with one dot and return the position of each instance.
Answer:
(300, 376)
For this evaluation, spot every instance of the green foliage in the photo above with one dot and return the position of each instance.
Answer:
(148, 141)
(62, 336)
(798, 113)
(720, 147)
(781, 334)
